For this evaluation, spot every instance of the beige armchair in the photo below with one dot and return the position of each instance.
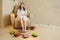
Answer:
(15, 21)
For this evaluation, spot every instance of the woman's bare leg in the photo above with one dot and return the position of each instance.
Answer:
(22, 24)
(25, 25)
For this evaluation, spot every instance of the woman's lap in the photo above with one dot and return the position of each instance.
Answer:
(26, 19)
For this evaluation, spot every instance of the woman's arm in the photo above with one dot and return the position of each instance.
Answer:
(17, 12)
(28, 14)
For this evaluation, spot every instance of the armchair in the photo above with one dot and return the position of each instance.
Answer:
(15, 21)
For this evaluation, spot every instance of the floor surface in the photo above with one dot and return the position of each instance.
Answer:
(44, 33)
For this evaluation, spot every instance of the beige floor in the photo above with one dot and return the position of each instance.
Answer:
(44, 33)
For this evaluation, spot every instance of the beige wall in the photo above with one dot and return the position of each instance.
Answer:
(0, 13)
(6, 10)
(44, 11)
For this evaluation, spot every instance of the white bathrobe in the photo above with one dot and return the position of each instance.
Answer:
(22, 14)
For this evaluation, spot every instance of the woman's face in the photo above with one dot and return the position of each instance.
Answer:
(22, 5)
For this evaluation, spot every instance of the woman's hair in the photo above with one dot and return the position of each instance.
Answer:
(20, 6)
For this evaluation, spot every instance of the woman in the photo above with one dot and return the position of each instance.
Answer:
(22, 14)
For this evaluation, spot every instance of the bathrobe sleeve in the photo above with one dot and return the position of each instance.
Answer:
(26, 12)
(18, 12)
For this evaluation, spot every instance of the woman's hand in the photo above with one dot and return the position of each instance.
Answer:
(23, 15)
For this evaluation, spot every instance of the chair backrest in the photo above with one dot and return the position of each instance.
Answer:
(15, 8)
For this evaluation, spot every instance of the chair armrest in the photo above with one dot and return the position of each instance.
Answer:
(12, 17)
